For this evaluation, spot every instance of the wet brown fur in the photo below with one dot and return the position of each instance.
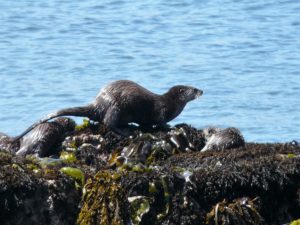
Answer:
(122, 102)
(45, 139)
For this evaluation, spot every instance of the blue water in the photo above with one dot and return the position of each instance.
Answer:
(245, 55)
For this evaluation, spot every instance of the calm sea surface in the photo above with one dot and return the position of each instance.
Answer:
(245, 55)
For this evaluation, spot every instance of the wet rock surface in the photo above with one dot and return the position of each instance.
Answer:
(31, 194)
(151, 177)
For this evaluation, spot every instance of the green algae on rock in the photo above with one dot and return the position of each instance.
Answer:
(86, 124)
(68, 157)
(75, 173)
(22, 189)
(139, 206)
(104, 202)
(295, 222)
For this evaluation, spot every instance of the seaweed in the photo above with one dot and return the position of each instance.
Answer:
(104, 201)
(154, 177)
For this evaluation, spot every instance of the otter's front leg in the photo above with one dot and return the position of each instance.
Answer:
(163, 126)
(122, 131)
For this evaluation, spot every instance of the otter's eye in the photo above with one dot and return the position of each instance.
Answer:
(181, 90)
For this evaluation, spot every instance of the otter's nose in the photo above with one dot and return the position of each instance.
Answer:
(198, 91)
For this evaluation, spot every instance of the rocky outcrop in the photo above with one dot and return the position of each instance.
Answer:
(32, 194)
(151, 177)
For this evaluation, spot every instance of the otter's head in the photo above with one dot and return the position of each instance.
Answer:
(210, 131)
(184, 93)
(67, 123)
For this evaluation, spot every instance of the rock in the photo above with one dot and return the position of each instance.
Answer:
(32, 195)
(153, 177)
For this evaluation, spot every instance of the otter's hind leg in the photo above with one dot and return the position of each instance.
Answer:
(112, 120)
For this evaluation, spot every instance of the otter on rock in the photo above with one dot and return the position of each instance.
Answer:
(6, 143)
(220, 139)
(122, 102)
(45, 138)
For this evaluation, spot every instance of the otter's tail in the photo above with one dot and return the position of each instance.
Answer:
(74, 111)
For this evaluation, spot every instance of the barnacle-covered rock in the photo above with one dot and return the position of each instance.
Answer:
(151, 177)
(30, 194)
(148, 148)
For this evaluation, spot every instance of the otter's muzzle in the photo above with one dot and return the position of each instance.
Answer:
(198, 93)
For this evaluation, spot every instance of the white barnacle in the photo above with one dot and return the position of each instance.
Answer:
(172, 139)
(187, 174)
(219, 164)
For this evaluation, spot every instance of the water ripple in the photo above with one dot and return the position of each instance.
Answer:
(243, 54)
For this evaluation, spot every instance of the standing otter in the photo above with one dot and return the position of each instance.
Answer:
(45, 138)
(122, 102)
(220, 139)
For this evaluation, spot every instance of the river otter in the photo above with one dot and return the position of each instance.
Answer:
(220, 139)
(122, 102)
(45, 138)
(6, 143)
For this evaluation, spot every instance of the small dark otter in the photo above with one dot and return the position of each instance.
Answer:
(6, 143)
(122, 102)
(220, 139)
(45, 138)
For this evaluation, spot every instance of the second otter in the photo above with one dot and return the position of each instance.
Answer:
(46, 138)
(221, 139)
